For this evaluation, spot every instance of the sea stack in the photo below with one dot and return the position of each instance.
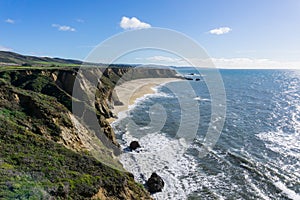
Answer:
(134, 145)
(155, 183)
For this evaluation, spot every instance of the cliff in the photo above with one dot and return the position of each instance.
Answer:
(48, 151)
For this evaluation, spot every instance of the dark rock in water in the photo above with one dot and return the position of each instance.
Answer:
(187, 78)
(155, 183)
(134, 145)
(197, 79)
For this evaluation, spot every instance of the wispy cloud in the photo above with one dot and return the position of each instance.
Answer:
(220, 31)
(133, 23)
(254, 63)
(3, 48)
(163, 59)
(63, 27)
(245, 63)
(86, 46)
(10, 21)
(80, 20)
(223, 63)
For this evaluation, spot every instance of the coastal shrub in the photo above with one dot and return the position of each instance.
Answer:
(33, 109)
(59, 169)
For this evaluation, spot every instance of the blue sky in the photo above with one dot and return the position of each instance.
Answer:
(248, 33)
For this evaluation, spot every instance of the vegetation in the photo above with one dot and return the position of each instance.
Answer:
(32, 166)
(34, 161)
(17, 59)
(41, 153)
(14, 61)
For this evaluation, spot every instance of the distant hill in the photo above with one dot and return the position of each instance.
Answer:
(16, 61)
(7, 57)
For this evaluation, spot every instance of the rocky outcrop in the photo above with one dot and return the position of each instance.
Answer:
(134, 145)
(155, 183)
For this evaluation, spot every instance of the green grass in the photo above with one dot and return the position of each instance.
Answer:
(55, 64)
(31, 161)
(12, 113)
(37, 67)
(32, 164)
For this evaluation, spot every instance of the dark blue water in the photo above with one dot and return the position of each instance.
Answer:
(257, 155)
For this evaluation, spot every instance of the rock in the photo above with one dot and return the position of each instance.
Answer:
(155, 183)
(134, 145)
(197, 79)
(118, 103)
(187, 78)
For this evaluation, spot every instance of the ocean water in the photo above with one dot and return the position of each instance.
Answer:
(256, 157)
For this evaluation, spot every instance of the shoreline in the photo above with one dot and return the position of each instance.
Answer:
(129, 91)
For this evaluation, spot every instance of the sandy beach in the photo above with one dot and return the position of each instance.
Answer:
(129, 91)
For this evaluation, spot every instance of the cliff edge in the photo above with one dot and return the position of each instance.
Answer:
(47, 151)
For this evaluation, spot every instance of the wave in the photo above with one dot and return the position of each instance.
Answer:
(288, 192)
(157, 93)
(287, 145)
(247, 162)
(140, 100)
(198, 98)
(283, 143)
(164, 156)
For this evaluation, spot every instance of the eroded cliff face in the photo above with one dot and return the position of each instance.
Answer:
(48, 150)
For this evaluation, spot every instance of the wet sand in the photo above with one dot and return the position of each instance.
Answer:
(129, 91)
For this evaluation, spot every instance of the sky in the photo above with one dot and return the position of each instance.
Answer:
(234, 33)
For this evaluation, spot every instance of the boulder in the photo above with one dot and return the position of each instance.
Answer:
(155, 183)
(134, 145)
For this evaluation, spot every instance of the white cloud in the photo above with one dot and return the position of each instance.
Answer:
(10, 21)
(220, 31)
(133, 23)
(63, 27)
(3, 48)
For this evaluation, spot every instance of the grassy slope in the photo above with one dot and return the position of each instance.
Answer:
(14, 61)
(14, 58)
(32, 164)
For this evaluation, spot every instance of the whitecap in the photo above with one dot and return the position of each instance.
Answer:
(166, 157)
(288, 192)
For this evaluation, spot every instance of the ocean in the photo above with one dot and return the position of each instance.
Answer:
(257, 155)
